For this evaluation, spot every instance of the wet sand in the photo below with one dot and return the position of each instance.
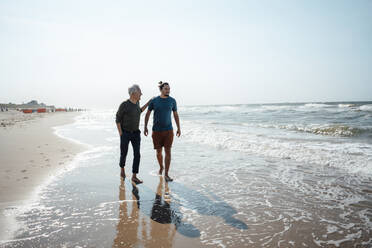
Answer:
(253, 202)
(30, 152)
(135, 228)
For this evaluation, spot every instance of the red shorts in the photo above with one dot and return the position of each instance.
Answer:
(162, 138)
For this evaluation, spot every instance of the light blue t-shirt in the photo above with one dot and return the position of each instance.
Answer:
(163, 108)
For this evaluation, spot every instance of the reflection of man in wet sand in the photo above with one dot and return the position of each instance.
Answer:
(162, 228)
(133, 230)
(161, 210)
(127, 228)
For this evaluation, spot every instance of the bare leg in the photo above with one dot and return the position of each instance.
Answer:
(159, 156)
(122, 173)
(167, 163)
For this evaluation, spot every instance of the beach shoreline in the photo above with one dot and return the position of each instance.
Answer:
(226, 193)
(31, 153)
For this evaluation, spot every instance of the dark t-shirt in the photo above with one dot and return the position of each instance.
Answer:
(128, 115)
(163, 108)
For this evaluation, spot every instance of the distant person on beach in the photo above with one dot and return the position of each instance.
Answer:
(127, 122)
(162, 130)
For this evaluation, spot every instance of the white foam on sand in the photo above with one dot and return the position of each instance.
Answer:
(8, 216)
(21, 207)
(58, 130)
(34, 201)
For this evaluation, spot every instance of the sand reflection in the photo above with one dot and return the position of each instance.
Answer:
(135, 228)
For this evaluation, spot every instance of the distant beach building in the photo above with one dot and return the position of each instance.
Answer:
(32, 106)
(35, 107)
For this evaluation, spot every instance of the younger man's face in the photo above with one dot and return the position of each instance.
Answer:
(166, 90)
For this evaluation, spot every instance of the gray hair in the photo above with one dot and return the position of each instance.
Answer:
(134, 88)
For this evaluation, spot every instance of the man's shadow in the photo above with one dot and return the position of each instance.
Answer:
(204, 205)
(162, 210)
(165, 207)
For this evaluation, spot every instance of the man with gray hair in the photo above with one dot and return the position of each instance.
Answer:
(127, 122)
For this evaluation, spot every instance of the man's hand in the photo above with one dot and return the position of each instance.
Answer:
(146, 132)
(177, 119)
(119, 128)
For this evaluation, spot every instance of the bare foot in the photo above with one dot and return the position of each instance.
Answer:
(136, 180)
(122, 173)
(161, 171)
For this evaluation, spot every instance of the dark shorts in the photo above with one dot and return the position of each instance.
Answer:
(162, 138)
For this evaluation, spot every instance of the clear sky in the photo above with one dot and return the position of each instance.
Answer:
(86, 53)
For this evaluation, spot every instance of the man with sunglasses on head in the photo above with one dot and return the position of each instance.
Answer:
(162, 129)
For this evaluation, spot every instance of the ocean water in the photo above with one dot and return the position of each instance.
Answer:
(263, 175)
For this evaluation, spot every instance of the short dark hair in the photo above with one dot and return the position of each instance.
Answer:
(162, 84)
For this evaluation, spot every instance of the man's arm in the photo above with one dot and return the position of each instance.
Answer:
(119, 128)
(119, 117)
(145, 106)
(147, 117)
(177, 119)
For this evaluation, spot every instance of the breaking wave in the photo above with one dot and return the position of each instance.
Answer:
(331, 130)
(367, 107)
(353, 157)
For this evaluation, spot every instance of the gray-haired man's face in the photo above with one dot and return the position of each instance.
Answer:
(137, 94)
